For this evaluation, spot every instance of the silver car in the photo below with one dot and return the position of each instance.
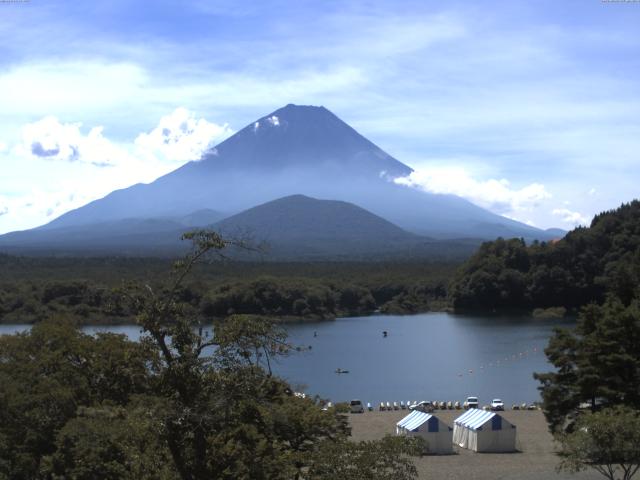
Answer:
(423, 406)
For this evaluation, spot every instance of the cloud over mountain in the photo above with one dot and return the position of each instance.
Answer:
(181, 137)
(570, 217)
(497, 195)
(63, 163)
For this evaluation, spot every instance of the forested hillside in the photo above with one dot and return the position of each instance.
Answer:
(89, 290)
(583, 267)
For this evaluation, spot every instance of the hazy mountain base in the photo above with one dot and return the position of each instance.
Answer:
(169, 246)
(86, 289)
(292, 228)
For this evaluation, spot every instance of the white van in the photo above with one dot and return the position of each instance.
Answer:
(472, 402)
(356, 406)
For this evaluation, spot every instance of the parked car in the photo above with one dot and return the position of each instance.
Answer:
(356, 406)
(497, 405)
(471, 402)
(423, 406)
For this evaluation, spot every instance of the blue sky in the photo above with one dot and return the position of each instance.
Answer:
(530, 109)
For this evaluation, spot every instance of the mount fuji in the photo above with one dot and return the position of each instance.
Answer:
(296, 152)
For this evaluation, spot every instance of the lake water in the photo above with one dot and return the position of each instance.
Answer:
(432, 356)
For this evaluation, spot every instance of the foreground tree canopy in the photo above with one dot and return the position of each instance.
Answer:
(177, 404)
(607, 441)
(597, 363)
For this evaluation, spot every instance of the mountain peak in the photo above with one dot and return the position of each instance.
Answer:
(302, 115)
(309, 108)
(303, 136)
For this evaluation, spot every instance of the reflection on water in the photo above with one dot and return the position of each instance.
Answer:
(432, 356)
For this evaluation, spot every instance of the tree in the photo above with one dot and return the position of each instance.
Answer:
(607, 441)
(47, 373)
(110, 443)
(226, 416)
(387, 459)
(598, 363)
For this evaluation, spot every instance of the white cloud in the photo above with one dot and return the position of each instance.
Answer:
(50, 139)
(56, 167)
(570, 217)
(180, 137)
(4, 206)
(592, 192)
(71, 86)
(496, 195)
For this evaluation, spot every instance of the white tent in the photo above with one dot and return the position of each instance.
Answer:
(437, 434)
(483, 431)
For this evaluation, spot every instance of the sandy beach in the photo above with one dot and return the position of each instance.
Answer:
(535, 458)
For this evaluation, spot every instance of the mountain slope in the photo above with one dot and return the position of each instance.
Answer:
(126, 236)
(297, 225)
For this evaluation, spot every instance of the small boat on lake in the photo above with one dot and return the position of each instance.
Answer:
(339, 370)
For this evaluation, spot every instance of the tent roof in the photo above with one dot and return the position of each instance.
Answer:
(474, 418)
(412, 421)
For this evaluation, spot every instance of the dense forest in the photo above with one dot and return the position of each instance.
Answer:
(581, 268)
(90, 290)
(585, 266)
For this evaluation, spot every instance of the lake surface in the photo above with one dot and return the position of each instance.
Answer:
(432, 356)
